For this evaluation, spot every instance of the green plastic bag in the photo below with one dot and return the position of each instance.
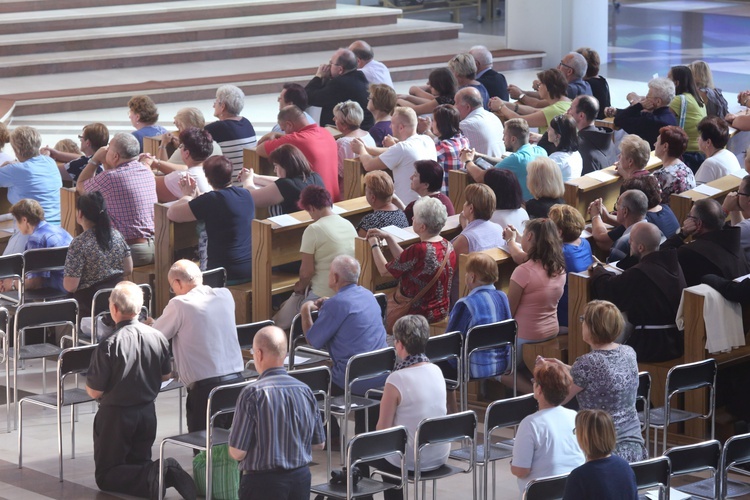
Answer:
(226, 476)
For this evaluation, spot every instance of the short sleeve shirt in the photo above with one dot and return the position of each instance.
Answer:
(290, 189)
(89, 262)
(233, 136)
(37, 178)
(48, 236)
(400, 159)
(537, 310)
(382, 218)
(325, 239)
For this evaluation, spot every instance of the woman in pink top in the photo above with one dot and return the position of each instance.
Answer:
(536, 286)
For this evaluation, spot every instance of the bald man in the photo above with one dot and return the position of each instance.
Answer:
(336, 82)
(200, 320)
(648, 292)
(275, 452)
(375, 71)
(483, 129)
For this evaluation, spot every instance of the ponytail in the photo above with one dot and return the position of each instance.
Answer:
(94, 209)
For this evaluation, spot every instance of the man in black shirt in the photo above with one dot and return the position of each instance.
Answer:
(125, 376)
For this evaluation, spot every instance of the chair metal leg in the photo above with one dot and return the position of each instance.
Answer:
(209, 469)
(72, 432)
(44, 375)
(179, 405)
(15, 386)
(7, 395)
(161, 471)
(20, 436)
(59, 440)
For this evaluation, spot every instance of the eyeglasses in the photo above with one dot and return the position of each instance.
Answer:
(182, 146)
(171, 288)
(533, 381)
(565, 65)
(82, 138)
(742, 194)
(580, 318)
(692, 217)
(574, 430)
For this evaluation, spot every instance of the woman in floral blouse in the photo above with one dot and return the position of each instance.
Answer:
(674, 176)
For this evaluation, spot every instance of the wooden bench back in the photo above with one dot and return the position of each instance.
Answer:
(581, 191)
(682, 203)
(169, 239)
(68, 199)
(260, 165)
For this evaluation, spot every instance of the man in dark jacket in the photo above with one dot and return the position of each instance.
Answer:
(594, 143)
(715, 249)
(647, 116)
(649, 293)
(494, 82)
(336, 82)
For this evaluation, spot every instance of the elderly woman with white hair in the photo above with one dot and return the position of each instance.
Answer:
(33, 176)
(424, 270)
(348, 116)
(464, 68)
(647, 115)
(233, 132)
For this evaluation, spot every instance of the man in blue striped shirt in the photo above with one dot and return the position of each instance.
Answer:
(276, 424)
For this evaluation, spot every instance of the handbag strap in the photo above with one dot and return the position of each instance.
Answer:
(433, 280)
(683, 110)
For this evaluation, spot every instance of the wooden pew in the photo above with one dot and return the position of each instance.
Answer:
(4, 203)
(457, 182)
(354, 179)
(169, 238)
(683, 202)
(68, 198)
(275, 245)
(581, 191)
(260, 165)
(695, 350)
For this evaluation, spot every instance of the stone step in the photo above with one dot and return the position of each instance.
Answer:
(144, 13)
(406, 31)
(258, 75)
(345, 16)
(42, 5)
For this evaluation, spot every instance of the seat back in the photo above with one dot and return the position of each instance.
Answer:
(383, 303)
(369, 365)
(491, 336)
(148, 295)
(643, 401)
(297, 335)
(74, 360)
(246, 333)
(222, 400)
(11, 266)
(52, 313)
(546, 488)
(215, 278)
(444, 347)
(449, 428)
(100, 302)
(44, 259)
(652, 473)
(690, 376)
(370, 446)
(509, 412)
(695, 457)
(318, 379)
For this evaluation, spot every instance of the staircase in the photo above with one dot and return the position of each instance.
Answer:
(62, 55)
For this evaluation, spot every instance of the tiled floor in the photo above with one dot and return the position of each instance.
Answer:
(646, 38)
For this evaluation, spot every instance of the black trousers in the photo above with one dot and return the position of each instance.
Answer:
(123, 437)
(282, 485)
(196, 405)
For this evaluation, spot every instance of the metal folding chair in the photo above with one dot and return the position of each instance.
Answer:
(444, 348)
(486, 337)
(736, 452)
(245, 335)
(653, 473)
(297, 343)
(546, 488)
(695, 458)
(215, 278)
(71, 361)
(43, 260)
(318, 379)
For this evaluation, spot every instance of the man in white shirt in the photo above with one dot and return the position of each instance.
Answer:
(713, 139)
(200, 320)
(401, 151)
(375, 71)
(483, 129)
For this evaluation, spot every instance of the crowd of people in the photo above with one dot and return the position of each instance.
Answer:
(466, 117)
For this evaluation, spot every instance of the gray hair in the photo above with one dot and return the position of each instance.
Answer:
(635, 201)
(351, 113)
(347, 267)
(127, 297)
(578, 64)
(463, 65)
(412, 331)
(186, 271)
(481, 54)
(190, 117)
(432, 213)
(232, 98)
(663, 88)
(125, 144)
(26, 142)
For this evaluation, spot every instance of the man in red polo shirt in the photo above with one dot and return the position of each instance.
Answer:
(315, 142)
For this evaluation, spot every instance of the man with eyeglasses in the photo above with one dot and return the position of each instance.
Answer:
(93, 137)
(715, 248)
(647, 115)
(573, 66)
(336, 82)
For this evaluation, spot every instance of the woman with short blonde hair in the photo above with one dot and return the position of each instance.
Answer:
(348, 116)
(545, 183)
(379, 194)
(604, 475)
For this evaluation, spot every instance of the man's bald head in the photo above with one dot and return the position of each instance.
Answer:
(469, 96)
(271, 341)
(362, 51)
(646, 237)
(346, 59)
(187, 272)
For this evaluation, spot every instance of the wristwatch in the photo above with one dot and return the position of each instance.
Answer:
(520, 97)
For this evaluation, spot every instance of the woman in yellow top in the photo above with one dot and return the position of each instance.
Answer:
(552, 87)
(690, 110)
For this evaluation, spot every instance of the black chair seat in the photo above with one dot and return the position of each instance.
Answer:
(44, 294)
(310, 359)
(498, 451)
(705, 489)
(197, 439)
(656, 415)
(36, 351)
(70, 397)
(365, 487)
(337, 403)
(439, 473)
